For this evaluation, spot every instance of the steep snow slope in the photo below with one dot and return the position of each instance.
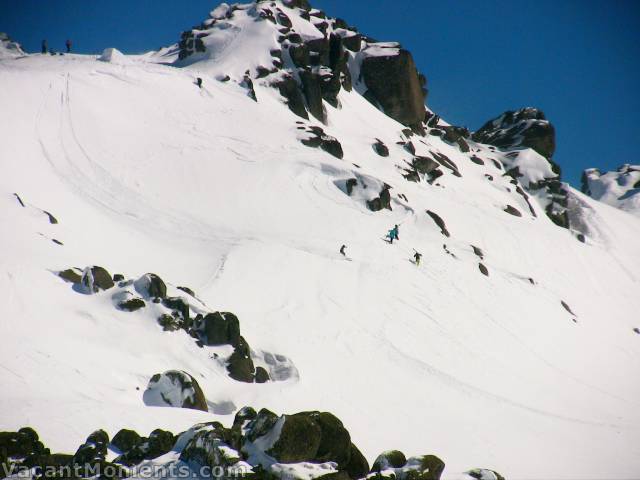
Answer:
(620, 188)
(145, 172)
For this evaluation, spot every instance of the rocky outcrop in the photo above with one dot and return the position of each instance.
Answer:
(218, 328)
(380, 148)
(151, 286)
(260, 444)
(175, 388)
(96, 278)
(240, 365)
(524, 128)
(316, 137)
(134, 449)
(175, 312)
(132, 304)
(511, 210)
(540, 176)
(439, 222)
(393, 83)
(288, 88)
(382, 201)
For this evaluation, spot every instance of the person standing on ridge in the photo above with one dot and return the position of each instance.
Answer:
(342, 250)
(45, 47)
(417, 256)
(68, 45)
(199, 82)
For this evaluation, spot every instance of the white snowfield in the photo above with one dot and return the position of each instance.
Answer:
(145, 172)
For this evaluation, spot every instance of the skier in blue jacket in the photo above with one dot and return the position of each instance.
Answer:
(393, 234)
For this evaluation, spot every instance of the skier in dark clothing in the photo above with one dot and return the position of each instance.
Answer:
(68, 45)
(393, 234)
(199, 82)
(342, 250)
(45, 47)
(417, 256)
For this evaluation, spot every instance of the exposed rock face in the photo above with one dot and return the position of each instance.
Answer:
(511, 210)
(126, 439)
(526, 127)
(288, 88)
(134, 448)
(175, 388)
(240, 364)
(72, 275)
(151, 285)
(392, 81)
(382, 201)
(439, 222)
(132, 304)
(316, 137)
(219, 328)
(380, 148)
(96, 278)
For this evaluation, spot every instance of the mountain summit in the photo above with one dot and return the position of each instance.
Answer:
(211, 259)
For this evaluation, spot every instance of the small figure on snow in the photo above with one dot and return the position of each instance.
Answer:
(199, 82)
(45, 47)
(68, 45)
(393, 234)
(417, 256)
(342, 250)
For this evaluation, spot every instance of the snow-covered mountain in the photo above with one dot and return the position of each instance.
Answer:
(171, 233)
(620, 188)
(9, 48)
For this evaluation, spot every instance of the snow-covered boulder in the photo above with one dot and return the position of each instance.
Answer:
(175, 388)
(115, 56)
(150, 286)
(484, 474)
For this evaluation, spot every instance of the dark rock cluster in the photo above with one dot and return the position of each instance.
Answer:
(258, 446)
(207, 328)
(316, 138)
(526, 127)
(529, 128)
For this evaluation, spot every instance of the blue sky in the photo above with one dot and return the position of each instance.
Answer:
(578, 60)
